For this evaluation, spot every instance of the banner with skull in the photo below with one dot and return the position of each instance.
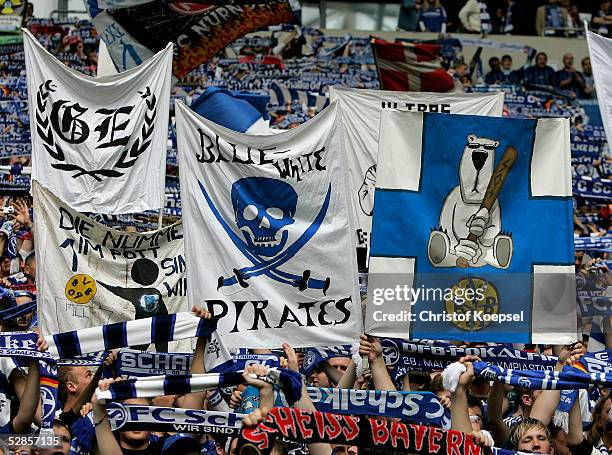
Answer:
(268, 233)
(475, 228)
(361, 111)
(90, 275)
(99, 144)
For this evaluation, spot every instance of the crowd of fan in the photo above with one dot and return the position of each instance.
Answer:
(507, 17)
(499, 415)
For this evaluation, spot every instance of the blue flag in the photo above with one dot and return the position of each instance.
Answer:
(472, 232)
(238, 111)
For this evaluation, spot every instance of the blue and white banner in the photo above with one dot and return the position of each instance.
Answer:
(248, 111)
(153, 330)
(361, 115)
(416, 407)
(603, 244)
(133, 417)
(592, 187)
(568, 379)
(408, 356)
(142, 363)
(268, 222)
(472, 230)
(124, 50)
(10, 149)
(595, 306)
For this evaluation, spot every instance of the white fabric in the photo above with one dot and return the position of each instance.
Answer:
(551, 170)
(600, 51)
(95, 255)
(106, 67)
(224, 235)
(361, 117)
(99, 144)
(451, 375)
(561, 420)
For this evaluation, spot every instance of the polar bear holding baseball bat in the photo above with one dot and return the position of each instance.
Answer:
(470, 231)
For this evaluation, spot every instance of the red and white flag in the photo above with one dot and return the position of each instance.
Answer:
(410, 67)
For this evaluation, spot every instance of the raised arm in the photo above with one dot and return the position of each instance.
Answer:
(371, 347)
(196, 400)
(499, 429)
(545, 404)
(106, 443)
(28, 404)
(460, 416)
(321, 448)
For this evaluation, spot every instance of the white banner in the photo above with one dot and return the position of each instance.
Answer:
(361, 117)
(89, 275)
(268, 231)
(99, 144)
(600, 51)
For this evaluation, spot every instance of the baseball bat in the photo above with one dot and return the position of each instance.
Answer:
(493, 188)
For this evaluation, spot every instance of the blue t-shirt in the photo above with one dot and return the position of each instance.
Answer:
(494, 76)
(539, 76)
(562, 75)
(433, 19)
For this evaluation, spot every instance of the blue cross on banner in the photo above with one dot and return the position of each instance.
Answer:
(472, 234)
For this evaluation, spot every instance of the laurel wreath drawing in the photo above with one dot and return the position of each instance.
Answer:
(129, 155)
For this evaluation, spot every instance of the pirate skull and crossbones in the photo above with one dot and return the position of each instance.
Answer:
(264, 208)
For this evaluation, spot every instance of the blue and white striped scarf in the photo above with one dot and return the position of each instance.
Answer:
(290, 383)
(135, 363)
(418, 356)
(568, 379)
(591, 362)
(158, 329)
(93, 340)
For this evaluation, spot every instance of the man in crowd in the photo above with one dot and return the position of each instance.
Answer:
(474, 17)
(568, 78)
(588, 91)
(602, 21)
(540, 75)
(496, 75)
(551, 19)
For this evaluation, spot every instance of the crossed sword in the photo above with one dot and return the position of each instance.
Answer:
(270, 267)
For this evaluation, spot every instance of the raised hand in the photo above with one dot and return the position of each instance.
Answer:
(292, 358)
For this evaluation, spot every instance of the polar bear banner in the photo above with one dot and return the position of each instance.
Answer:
(361, 110)
(463, 215)
(473, 224)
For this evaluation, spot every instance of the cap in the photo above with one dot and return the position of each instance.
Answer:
(24, 293)
(180, 443)
(7, 298)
